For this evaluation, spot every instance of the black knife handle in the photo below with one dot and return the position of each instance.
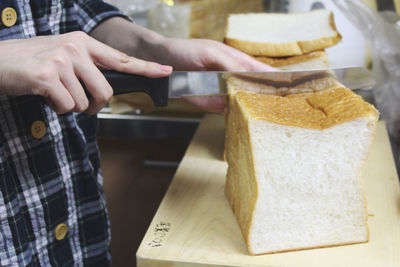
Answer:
(123, 83)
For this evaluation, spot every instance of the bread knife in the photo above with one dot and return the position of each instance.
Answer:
(198, 83)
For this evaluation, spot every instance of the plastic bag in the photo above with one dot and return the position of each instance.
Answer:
(382, 31)
(197, 18)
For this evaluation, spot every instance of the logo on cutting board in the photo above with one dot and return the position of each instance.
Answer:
(160, 233)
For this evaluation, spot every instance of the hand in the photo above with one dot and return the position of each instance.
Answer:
(201, 54)
(198, 54)
(182, 54)
(51, 66)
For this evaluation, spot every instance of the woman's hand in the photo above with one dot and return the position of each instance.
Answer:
(198, 54)
(182, 54)
(201, 54)
(53, 66)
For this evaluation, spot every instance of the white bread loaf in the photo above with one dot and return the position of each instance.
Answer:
(313, 60)
(293, 180)
(281, 35)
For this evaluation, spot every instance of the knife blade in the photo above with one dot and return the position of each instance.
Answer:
(198, 83)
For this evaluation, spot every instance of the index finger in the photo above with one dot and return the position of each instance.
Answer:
(247, 61)
(111, 58)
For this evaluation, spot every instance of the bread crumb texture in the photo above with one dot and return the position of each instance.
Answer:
(319, 110)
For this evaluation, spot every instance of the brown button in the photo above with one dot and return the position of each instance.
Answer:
(9, 16)
(61, 231)
(38, 129)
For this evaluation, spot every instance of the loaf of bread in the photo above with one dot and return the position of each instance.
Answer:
(281, 35)
(293, 180)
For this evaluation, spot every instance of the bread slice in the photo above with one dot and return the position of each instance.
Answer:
(313, 60)
(281, 84)
(281, 35)
(293, 180)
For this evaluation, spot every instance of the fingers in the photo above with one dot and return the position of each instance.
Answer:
(66, 93)
(217, 59)
(137, 66)
(75, 89)
(96, 84)
(59, 75)
(218, 56)
(207, 103)
(248, 62)
(252, 64)
(77, 59)
(110, 58)
(46, 82)
(59, 99)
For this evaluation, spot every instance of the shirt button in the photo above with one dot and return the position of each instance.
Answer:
(38, 129)
(9, 16)
(61, 231)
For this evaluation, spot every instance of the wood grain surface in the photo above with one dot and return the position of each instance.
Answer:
(194, 225)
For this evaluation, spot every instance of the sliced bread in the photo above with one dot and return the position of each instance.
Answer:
(281, 35)
(313, 60)
(280, 84)
(293, 180)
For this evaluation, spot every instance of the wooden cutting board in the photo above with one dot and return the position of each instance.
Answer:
(194, 225)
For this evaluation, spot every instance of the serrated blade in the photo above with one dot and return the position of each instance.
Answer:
(199, 83)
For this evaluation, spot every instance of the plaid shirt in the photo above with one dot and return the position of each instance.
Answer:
(54, 179)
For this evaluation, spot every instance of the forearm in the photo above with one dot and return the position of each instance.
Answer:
(131, 39)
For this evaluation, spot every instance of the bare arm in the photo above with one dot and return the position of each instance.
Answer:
(128, 37)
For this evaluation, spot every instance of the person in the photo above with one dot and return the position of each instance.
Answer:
(52, 205)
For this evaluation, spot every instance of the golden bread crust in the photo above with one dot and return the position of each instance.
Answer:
(241, 188)
(285, 61)
(319, 110)
(283, 49)
(265, 49)
(288, 85)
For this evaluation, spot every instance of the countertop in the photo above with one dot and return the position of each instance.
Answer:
(194, 224)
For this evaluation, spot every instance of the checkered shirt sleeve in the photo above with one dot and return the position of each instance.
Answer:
(49, 164)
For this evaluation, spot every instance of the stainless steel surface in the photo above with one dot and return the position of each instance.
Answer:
(207, 82)
(193, 83)
(161, 163)
(141, 127)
